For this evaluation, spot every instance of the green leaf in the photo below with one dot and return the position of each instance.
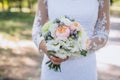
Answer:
(48, 62)
(46, 26)
(84, 52)
(80, 33)
(50, 65)
(59, 67)
(50, 51)
(62, 17)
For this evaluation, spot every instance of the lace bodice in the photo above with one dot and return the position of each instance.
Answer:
(93, 16)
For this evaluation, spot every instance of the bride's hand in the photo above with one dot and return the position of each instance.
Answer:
(43, 46)
(88, 43)
(57, 60)
(52, 57)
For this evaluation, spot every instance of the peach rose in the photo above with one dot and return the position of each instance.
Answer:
(75, 26)
(62, 32)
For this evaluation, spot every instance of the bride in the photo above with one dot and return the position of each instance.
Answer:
(93, 15)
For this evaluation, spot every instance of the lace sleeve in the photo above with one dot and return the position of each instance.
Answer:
(101, 29)
(40, 18)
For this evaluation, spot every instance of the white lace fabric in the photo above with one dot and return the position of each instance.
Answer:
(40, 18)
(101, 29)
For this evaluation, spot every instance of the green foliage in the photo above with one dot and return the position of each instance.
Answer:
(115, 0)
(33, 1)
(5, 15)
(115, 8)
(16, 25)
(46, 26)
(20, 4)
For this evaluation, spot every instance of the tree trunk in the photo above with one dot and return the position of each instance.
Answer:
(2, 5)
(9, 6)
(30, 5)
(20, 5)
(111, 2)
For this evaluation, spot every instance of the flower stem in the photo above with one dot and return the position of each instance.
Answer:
(55, 67)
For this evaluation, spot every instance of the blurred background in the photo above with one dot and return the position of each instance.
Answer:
(19, 58)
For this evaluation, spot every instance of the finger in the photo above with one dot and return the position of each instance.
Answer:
(58, 60)
(66, 58)
(42, 43)
(45, 48)
(55, 58)
(54, 62)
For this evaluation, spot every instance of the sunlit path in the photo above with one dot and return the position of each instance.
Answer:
(108, 58)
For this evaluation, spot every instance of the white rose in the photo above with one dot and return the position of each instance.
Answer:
(50, 46)
(66, 21)
(52, 29)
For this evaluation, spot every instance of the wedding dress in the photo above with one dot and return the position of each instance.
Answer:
(93, 15)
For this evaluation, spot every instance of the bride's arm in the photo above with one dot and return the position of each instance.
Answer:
(40, 18)
(101, 29)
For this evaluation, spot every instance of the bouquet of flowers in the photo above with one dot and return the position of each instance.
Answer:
(64, 37)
